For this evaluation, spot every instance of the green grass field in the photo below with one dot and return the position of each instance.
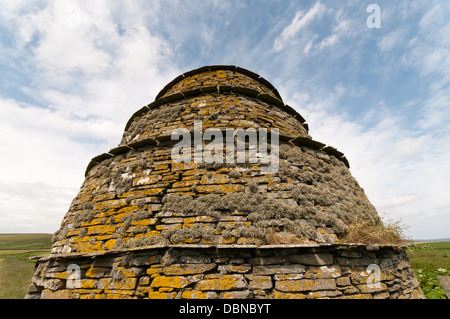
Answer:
(429, 260)
(16, 269)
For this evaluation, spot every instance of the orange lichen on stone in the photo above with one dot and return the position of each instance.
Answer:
(144, 225)
(225, 282)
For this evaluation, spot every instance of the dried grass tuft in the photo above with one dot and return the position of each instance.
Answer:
(365, 232)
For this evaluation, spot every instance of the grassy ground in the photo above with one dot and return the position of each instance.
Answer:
(15, 277)
(430, 260)
(16, 269)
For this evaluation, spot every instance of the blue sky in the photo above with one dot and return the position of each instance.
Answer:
(73, 72)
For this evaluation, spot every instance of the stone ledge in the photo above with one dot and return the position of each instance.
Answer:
(135, 145)
(218, 247)
(215, 89)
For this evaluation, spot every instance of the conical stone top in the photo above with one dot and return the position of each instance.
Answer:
(217, 158)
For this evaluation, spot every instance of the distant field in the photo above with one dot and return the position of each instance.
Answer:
(16, 269)
(25, 241)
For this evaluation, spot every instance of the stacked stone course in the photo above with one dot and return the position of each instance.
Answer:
(243, 272)
(143, 226)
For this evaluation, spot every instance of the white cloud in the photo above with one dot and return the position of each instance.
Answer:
(406, 177)
(410, 147)
(300, 21)
(328, 41)
(89, 76)
(428, 52)
(42, 165)
(391, 40)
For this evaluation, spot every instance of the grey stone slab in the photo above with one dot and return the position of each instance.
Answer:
(445, 282)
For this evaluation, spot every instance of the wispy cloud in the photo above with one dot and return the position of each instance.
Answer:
(87, 76)
(300, 21)
(391, 40)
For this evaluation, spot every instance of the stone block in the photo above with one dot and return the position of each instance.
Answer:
(305, 285)
(269, 260)
(121, 284)
(319, 259)
(59, 294)
(242, 294)
(259, 282)
(323, 294)
(169, 281)
(288, 277)
(343, 281)
(357, 296)
(51, 284)
(323, 272)
(279, 269)
(187, 269)
(225, 282)
(445, 282)
(161, 295)
(98, 272)
(286, 295)
(197, 294)
(195, 259)
(241, 269)
(372, 287)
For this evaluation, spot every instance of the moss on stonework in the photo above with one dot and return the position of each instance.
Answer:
(263, 213)
(193, 234)
(86, 215)
(140, 242)
(186, 205)
(310, 197)
(327, 184)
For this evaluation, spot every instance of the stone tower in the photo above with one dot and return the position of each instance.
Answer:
(149, 224)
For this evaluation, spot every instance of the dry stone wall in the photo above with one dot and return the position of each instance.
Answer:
(146, 226)
(221, 77)
(214, 110)
(141, 198)
(210, 272)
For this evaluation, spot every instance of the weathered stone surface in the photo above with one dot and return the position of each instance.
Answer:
(372, 287)
(147, 274)
(225, 282)
(244, 294)
(33, 288)
(146, 226)
(173, 282)
(279, 269)
(313, 259)
(198, 294)
(286, 295)
(259, 282)
(122, 284)
(343, 281)
(187, 269)
(445, 282)
(241, 269)
(305, 285)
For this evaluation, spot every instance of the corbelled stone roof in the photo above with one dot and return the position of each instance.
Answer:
(135, 195)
